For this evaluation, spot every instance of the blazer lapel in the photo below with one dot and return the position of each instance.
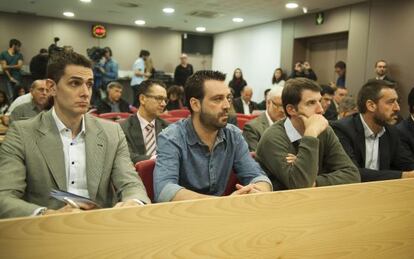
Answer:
(136, 134)
(51, 147)
(95, 145)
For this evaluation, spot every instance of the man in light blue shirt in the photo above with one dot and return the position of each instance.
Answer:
(139, 72)
(196, 155)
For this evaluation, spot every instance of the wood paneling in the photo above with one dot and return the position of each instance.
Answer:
(371, 220)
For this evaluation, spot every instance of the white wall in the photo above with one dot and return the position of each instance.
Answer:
(256, 50)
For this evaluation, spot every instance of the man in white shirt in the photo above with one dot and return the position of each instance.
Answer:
(244, 103)
(66, 149)
(139, 72)
(254, 129)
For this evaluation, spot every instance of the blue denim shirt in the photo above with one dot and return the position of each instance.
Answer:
(184, 161)
(111, 71)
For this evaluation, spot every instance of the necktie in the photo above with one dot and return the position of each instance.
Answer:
(150, 140)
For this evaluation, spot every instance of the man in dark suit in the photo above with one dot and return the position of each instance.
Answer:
(332, 112)
(141, 129)
(254, 129)
(244, 103)
(381, 71)
(369, 137)
(406, 127)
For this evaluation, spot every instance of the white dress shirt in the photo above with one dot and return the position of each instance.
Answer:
(269, 119)
(246, 109)
(75, 157)
(371, 146)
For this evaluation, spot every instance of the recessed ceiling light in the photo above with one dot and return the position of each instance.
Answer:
(201, 29)
(305, 10)
(168, 10)
(85, 1)
(291, 5)
(238, 19)
(140, 22)
(68, 14)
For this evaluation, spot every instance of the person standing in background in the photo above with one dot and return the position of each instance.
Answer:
(11, 61)
(340, 70)
(183, 71)
(278, 78)
(237, 83)
(139, 72)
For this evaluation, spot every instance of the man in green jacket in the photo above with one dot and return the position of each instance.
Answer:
(302, 150)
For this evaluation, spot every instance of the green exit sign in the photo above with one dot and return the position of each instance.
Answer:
(319, 18)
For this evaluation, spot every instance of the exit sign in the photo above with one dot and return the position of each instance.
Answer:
(319, 18)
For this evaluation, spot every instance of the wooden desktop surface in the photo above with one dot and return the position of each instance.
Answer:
(370, 220)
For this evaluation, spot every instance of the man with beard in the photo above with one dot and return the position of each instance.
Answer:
(370, 139)
(11, 61)
(196, 155)
(381, 71)
(302, 151)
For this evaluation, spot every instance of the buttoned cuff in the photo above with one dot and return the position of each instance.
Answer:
(139, 202)
(262, 178)
(168, 192)
(38, 211)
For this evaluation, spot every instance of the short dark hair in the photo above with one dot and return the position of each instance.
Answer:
(371, 91)
(114, 84)
(42, 51)
(326, 89)
(175, 89)
(60, 60)
(411, 100)
(146, 86)
(108, 49)
(194, 87)
(15, 42)
(292, 92)
(143, 53)
(340, 64)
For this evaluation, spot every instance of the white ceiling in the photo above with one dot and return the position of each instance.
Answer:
(111, 11)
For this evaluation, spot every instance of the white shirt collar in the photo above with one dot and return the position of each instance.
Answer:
(244, 102)
(61, 127)
(291, 132)
(269, 119)
(368, 132)
(143, 122)
(412, 117)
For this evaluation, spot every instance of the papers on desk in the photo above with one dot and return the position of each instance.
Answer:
(80, 201)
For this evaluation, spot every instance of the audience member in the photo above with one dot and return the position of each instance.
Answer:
(302, 150)
(149, 69)
(332, 112)
(406, 127)
(183, 71)
(19, 100)
(175, 94)
(113, 102)
(278, 78)
(141, 129)
(255, 128)
(66, 149)
(4, 103)
(20, 91)
(327, 94)
(11, 61)
(340, 70)
(381, 71)
(303, 69)
(262, 104)
(244, 103)
(347, 107)
(139, 73)
(237, 83)
(370, 140)
(38, 65)
(40, 99)
(196, 155)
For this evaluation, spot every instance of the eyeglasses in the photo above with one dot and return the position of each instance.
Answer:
(276, 104)
(158, 98)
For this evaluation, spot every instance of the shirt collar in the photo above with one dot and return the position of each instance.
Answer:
(412, 117)
(368, 132)
(244, 101)
(61, 127)
(291, 132)
(143, 121)
(193, 138)
(269, 119)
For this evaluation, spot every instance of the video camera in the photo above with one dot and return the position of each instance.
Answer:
(54, 48)
(95, 53)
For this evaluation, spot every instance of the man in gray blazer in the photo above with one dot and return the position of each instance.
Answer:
(254, 129)
(152, 99)
(66, 149)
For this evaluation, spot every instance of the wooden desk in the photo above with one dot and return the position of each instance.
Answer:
(371, 220)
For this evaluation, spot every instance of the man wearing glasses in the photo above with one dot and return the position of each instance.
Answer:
(254, 129)
(141, 129)
(195, 156)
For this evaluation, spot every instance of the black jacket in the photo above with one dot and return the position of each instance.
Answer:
(393, 157)
(406, 130)
(238, 105)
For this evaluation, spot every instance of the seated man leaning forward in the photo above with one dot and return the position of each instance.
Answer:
(302, 150)
(196, 155)
(66, 149)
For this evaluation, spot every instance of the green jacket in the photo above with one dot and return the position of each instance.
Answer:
(320, 160)
(254, 129)
(32, 163)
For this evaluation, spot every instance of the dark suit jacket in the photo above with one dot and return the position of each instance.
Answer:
(105, 107)
(238, 105)
(331, 113)
(254, 129)
(406, 130)
(133, 134)
(393, 157)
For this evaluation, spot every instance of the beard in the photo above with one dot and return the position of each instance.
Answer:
(213, 121)
(382, 121)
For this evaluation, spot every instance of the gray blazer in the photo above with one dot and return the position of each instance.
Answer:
(133, 133)
(32, 163)
(254, 129)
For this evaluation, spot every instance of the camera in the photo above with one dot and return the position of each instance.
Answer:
(54, 48)
(95, 53)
